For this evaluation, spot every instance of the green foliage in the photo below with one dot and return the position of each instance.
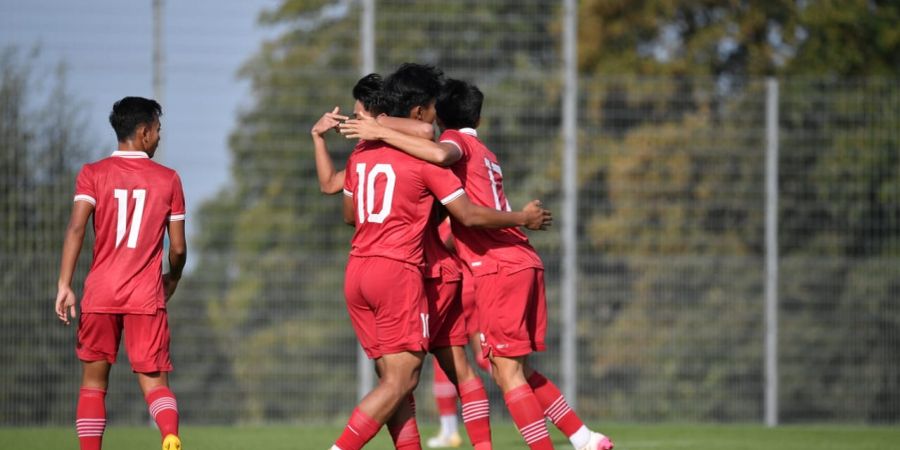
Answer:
(41, 146)
(675, 193)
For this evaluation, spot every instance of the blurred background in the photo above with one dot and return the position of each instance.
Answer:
(725, 178)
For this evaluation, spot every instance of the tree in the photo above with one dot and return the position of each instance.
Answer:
(41, 148)
(681, 188)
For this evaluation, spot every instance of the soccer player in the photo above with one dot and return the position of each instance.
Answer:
(444, 390)
(134, 201)
(389, 196)
(442, 273)
(509, 275)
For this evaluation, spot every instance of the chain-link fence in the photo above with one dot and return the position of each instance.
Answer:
(671, 235)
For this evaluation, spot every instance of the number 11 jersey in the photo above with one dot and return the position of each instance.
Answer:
(134, 200)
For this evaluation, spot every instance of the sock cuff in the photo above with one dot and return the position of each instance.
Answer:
(517, 394)
(470, 386)
(365, 424)
(92, 392)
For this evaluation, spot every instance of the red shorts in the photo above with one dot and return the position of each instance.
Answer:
(387, 305)
(512, 310)
(446, 323)
(146, 339)
(468, 304)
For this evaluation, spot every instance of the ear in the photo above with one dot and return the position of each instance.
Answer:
(416, 113)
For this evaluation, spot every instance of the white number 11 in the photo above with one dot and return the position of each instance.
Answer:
(122, 196)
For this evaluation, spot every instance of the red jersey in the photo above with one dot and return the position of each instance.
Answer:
(394, 195)
(134, 199)
(484, 248)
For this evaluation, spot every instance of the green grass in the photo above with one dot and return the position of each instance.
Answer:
(627, 437)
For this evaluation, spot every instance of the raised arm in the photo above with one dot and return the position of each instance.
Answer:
(532, 216)
(330, 180)
(366, 127)
(65, 296)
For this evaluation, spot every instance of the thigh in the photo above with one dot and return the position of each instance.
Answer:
(98, 337)
(147, 342)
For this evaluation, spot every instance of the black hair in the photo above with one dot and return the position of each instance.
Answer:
(368, 92)
(130, 112)
(410, 86)
(459, 105)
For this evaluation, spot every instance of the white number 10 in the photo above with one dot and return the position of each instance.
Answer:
(365, 192)
(139, 196)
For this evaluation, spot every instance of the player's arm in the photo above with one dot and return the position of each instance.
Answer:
(330, 180)
(177, 257)
(65, 296)
(365, 127)
(532, 216)
(410, 127)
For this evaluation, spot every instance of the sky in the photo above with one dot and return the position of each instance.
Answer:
(107, 46)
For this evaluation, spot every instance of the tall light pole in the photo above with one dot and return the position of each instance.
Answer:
(158, 62)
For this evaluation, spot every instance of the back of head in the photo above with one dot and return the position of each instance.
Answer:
(130, 112)
(459, 105)
(368, 92)
(410, 86)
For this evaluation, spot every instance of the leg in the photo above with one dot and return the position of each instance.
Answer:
(445, 395)
(557, 409)
(475, 407)
(403, 427)
(399, 377)
(147, 342)
(523, 406)
(90, 414)
(162, 405)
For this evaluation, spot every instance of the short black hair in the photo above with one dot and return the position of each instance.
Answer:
(368, 92)
(459, 105)
(130, 112)
(411, 85)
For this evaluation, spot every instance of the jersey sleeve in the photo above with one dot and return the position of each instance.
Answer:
(84, 186)
(442, 182)
(349, 178)
(454, 137)
(176, 209)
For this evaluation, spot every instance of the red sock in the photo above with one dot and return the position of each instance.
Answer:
(444, 392)
(90, 418)
(554, 404)
(164, 410)
(406, 434)
(360, 429)
(526, 413)
(476, 412)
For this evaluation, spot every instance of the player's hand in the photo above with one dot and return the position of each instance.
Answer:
(328, 121)
(536, 217)
(65, 304)
(364, 127)
(169, 285)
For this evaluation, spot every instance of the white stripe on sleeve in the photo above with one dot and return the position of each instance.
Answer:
(85, 198)
(455, 195)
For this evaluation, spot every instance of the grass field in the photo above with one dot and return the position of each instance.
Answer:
(627, 437)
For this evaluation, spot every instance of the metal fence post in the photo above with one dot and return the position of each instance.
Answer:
(569, 292)
(771, 264)
(364, 368)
